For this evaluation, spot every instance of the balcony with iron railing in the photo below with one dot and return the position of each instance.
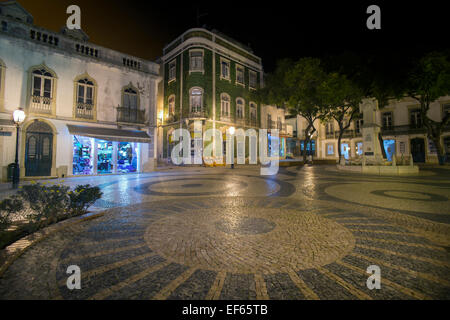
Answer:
(197, 113)
(127, 115)
(226, 117)
(84, 111)
(403, 129)
(40, 104)
(252, 122)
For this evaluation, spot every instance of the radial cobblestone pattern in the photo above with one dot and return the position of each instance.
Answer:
(308, 234)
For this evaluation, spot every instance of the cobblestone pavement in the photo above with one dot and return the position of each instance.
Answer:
(217, 233)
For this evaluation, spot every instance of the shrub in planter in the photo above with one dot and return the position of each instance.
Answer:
(47, 202)
(81, 198)
(7, 207)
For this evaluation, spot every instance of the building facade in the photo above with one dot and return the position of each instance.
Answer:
(210, 78)
(402, 131)
(274, 118)
(88, 109)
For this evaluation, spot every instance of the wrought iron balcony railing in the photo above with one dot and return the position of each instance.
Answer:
(197, 114)
(128, 115)
(84, 110)
(40, 104)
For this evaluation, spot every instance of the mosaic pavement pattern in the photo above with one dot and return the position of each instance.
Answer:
(308, 233)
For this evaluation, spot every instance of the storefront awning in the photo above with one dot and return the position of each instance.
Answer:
(109, 134)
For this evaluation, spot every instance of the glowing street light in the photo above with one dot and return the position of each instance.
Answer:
(19, 118)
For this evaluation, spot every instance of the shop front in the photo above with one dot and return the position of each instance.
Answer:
(106, 151)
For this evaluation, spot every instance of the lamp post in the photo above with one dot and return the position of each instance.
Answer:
(231, 130)
(18, 117)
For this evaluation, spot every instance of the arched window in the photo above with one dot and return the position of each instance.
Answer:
(196, 100)
(253, 114)
(171, 105)
(225, 105)
(130, 111)
(42, 90)
(85, 100)
(240, 109)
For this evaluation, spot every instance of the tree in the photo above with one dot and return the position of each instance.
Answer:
(303, 81)
(428, 81)
(341, 98)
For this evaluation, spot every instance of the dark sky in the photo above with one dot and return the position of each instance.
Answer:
(274, 29)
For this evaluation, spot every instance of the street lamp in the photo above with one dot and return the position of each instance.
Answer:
(231, 130)
(18, 117)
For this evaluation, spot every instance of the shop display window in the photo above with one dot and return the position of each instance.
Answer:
(127, 157)
(82, 155)
(105, 151)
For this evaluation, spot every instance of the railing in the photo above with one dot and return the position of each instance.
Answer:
(85, 110)
(404, 129)
(130, 115)
(40, 104)
(270, 124)
(240, 121)
(252, 122)
(225, 117)
(197, 114)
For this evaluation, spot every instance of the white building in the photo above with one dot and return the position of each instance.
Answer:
(88, 108)
(401, 129)
(274, 118)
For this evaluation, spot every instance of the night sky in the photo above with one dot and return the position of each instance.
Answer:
(274, 29)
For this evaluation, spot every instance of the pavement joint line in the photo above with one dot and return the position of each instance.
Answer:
(261, 288)
(407, 291)
(403, 233)
(426, 276)
(362, 224)
(216, 288)
(354, 291)
(171, 287)
(104, 252)
(108, 291)
(403, 243)
(302, 286)
(403, 255)
(111, 266)
(96, 243)
(18, 248)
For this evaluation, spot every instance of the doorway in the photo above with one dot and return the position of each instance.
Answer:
(345, 150)
(38, 150)
(418, 149)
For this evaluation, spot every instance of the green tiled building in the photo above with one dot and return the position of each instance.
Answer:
(209, 77)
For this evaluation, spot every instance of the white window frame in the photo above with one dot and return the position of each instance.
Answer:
(225, 104)
(174, 64)
(228, 77)
(243, 108)
(200, 70)
(190, 99)
(172, 96)
(238, 66)
(251, 106)
(250, 73)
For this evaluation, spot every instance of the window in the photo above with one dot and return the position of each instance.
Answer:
(252, 82)
(387, 120)
(171, 105)
(279, 123)
(415, 119)
(225, 105)
(330, 149)
(85, 98)
(253, 115)
(269, 121)
(196, 61)
(329, 128)
(240, 108)
(42, 83)
(172, 70)
(239, 74)
(224, 69)
(358, 125)
(196, 99)
(129, 112)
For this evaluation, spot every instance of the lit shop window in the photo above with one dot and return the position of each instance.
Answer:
(359, 148)
(330, 149)
(83, 150)
(127, 159)
(105, 152)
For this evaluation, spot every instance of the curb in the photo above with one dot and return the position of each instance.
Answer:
(12, 252)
